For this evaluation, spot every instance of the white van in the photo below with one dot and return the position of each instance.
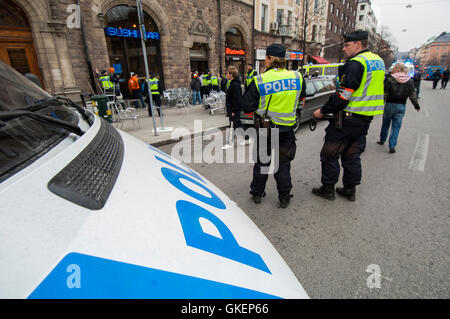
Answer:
(87, 211)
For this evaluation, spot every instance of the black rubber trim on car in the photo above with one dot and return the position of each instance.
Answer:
(89, 179)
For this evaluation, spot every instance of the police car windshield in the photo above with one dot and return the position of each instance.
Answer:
(23, 139)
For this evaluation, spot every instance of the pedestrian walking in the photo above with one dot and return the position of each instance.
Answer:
(359, 98)
(196, 86)
(274, 97)
(398, 87)
(445, 77)
(436, 77)
(233, 96)
(135, 90)
(417, 80)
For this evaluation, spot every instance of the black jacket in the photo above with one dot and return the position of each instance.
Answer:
(446, 74)
(196, 84)
(233, 96)
(396, 92)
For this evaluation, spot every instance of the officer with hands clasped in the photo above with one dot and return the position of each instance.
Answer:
(359, 97)
(274, 96)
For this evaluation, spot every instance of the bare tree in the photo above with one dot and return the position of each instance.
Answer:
(383, 44)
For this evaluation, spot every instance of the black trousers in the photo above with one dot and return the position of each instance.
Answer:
(287, 150)
(156, 104)
(345, 144)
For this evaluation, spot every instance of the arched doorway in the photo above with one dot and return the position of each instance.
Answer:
(16, 40)
(124, 44)
(234, 50)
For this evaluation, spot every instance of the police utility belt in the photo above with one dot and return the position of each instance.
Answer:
(265, 121)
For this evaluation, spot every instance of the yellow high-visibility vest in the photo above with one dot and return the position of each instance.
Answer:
(368, 99)
(282, 88)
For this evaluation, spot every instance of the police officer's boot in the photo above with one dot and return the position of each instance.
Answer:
(257, 198)
(285, 201)
(347, 191)
(326, 191)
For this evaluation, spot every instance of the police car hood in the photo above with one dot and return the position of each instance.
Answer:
(164, 232)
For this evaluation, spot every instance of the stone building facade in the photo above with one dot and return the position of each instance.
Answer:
(189, 30)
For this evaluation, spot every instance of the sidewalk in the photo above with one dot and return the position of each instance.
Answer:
(175, 118)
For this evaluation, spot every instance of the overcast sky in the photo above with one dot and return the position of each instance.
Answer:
(425, 19)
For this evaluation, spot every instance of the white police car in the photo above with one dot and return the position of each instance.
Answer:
(87, 211)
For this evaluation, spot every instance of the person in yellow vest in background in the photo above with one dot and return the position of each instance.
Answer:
(105, 82)
(251, 73)
(156, 94)
(358, 99)
(215, 83)
(274, 97)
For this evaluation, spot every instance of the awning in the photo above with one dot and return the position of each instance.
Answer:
(319, 60)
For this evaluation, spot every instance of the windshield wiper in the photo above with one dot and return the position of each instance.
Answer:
(48, 101)
(11, 115)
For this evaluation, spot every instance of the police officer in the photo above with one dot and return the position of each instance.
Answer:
(359, 97)
(215, 83)
(275, 96)
(156, 94)
(250, 75)
(106, 83)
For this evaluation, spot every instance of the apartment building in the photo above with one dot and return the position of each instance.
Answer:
(365, 17)
(341, 19)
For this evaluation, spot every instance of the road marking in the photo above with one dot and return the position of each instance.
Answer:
(425, 110)
(420, 154)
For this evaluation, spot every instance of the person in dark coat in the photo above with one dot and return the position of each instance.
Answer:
(417, 79)
(398, 87)
(445, 77)
(234, 93)
(436, 77)
(224, 83)
(196, 86)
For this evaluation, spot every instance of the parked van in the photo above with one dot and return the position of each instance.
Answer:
(88, 211)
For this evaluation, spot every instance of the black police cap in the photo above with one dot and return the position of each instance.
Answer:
(277, 50)
(357, 35)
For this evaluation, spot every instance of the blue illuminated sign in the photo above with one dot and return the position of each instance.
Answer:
(127, 33)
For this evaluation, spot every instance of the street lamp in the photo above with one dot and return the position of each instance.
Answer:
(285, 31)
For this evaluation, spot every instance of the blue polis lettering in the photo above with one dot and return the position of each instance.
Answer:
(190, 214)
(375, 65)
(279, 86)
(127, 33)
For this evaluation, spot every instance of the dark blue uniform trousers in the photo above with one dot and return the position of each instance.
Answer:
(345, 144)
(287, 150)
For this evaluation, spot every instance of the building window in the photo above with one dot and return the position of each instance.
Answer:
(330, 25)
(362, 7)
(335, 28)
(263, 17)
(337, 12)
(316, 5)
(361, 17)
(313, 35)
(289, 18)
(332, 7)
(279, 16)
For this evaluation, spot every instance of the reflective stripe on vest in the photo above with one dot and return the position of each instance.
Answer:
(250, 77)
(106, 82)
(282, 88)
(368, 100)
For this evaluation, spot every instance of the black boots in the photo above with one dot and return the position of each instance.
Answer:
(326, 191)
(285, 201)
(347, 191)
(257, 197)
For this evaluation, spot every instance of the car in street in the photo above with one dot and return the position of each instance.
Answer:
(90, 212)
(318, 91)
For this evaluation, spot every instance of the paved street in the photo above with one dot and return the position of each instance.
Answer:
(399, 222)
